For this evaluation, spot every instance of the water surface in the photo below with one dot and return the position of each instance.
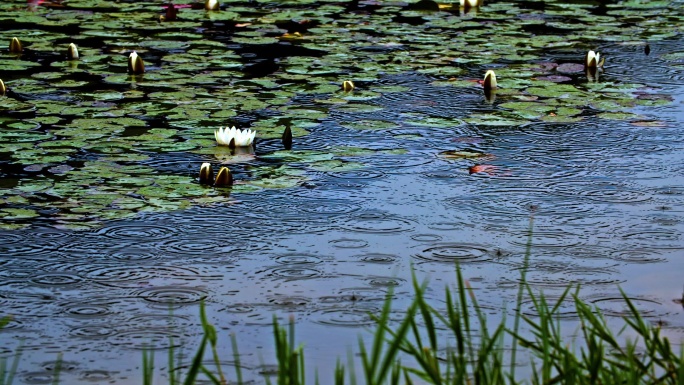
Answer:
(110, 244)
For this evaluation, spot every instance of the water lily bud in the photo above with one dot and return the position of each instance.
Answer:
(72, 53)
(3, 89)
(287, 138)
(347, 86)
(15, 46)
(171, 13)
(206, 173)
(135, 64)
(211, 5)
(224, 178)
(592, 59)
(469, 3)
(489, 80)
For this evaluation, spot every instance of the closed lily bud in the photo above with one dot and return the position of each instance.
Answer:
(224, 178)
(72, 52)
(347, 86)
(15, 46)
(3, 89)
(206, 173)
(469, 3)
(489, 80)
(135, 64)
(287, 138)
(211, 5)
(592, 60)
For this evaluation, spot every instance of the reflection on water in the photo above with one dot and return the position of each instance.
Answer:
(607, 197)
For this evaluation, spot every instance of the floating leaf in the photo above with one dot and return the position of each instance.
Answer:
(464, 154)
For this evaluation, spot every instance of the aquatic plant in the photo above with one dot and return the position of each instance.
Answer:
(202, 79)
(211, 5)
(72, 52)
(135, 64)
(206, 173)
(489, 80)
(233, 137)
(347, 86)
(592, 60)
(224, 178)
(15, 46)
(286, 139)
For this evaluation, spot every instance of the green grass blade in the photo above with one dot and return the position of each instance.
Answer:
(236, 358)
(196, 365)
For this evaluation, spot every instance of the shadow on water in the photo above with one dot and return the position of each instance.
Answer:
(105, 226)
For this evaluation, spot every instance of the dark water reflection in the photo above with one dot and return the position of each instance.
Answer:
(607, 199)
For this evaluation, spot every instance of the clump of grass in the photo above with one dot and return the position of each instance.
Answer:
(196, 367)
(290, 358)
(604, 356)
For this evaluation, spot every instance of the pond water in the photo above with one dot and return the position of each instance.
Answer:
(108, 243)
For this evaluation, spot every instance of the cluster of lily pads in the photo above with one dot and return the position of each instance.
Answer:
(84, 139)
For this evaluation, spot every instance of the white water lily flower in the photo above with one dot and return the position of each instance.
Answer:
(234, 137)
(469, 3)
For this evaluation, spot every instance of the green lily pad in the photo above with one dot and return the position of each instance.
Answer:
(463, 154)
(619, 116)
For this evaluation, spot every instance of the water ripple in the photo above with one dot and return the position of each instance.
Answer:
(121, 276)
(149, 338)
(377, 223)
(92, 332)
(62, 279)
(638, 255)
(605, 191)
(455, 252)
(347, 243)
(548, 237)
(616, 306)
(562, 278)
(377, 258)
(428, 238)
(298, 259)
(140, 231)
(358, 174)
(198, 244)
(293, 272)
(92, 307)
(96, 376)
(25, 248)
(166, 296)
(328, 207)
(565, 310)
(345, 316)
